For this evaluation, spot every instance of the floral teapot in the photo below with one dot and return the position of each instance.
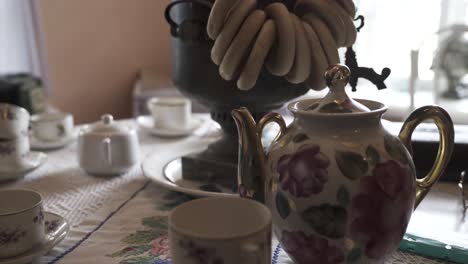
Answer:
(341, 188)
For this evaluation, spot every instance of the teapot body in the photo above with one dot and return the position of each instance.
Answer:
(339, 188)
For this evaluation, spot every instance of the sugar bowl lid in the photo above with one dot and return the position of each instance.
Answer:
(337, 101)
(108, 126)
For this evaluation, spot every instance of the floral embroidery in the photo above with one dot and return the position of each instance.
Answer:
(306, 249)
(147, 246)
(305, 172)
(382, 209)
(200, 254)
(10, 237)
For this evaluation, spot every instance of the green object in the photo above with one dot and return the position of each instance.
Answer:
(24, 90)
(434, 249)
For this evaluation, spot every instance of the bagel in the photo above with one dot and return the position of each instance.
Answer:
(219, 13)
(240, 45)
(351, 32)
(319, 62)
(326, 39)
(349, 6)
(256, 59)
(301, 67)
(325, 11)
(281, 58)
(236, 17)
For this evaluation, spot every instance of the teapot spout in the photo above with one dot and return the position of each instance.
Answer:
(251, 172)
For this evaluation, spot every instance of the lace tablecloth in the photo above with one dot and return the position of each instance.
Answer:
(122, 219)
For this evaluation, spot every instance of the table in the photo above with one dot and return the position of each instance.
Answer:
(122, 219)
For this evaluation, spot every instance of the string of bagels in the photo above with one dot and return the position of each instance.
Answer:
(297, 45)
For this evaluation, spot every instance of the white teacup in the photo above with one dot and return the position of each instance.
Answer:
(13, 152)
(21, 222)
(226, 230)
(14, 121)
(52, 127)
(173, 113)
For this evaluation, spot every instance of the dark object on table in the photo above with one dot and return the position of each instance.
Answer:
(363, 72)
(23, 90)
(197, 77)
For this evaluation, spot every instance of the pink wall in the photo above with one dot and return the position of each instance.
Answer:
(94, 48)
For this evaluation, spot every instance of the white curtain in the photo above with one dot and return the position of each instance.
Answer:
(18, 39)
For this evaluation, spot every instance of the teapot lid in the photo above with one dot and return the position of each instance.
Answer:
(337, 101)
(107, 125)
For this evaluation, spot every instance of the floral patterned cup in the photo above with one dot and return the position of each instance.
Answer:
(14, 121)
(21, 222)
(52, 127)
(13, 153)
(220, 231)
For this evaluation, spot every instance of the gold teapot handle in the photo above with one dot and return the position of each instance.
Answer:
(446, 131)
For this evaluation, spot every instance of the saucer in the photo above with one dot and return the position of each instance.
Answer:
(56, 229)
(147, 123)
(33, 161)
(171, 178)
(38, 144)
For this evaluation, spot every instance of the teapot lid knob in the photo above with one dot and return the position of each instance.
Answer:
(107, 119)
(337, 77)
(337, 101)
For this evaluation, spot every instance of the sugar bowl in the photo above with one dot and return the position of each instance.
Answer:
(106, 148)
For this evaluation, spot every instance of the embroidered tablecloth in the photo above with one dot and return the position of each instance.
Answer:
(123, 219)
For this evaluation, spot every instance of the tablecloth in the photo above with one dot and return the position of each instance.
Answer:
(122, 219)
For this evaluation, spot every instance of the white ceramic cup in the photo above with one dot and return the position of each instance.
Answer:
(220, 230)
(14, 121)
(52, 127)
(21, 222)
(13, 152)
(173, 113)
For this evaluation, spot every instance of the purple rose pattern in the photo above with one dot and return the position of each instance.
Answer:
(6, 150)
(306, 249)
(10, 237)
(8, 114)
(199, 254)
(305, 172)
(39, 217)
(51, 226)
(382, 209)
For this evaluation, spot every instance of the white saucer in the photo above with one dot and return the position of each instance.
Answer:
(56, 229)
(33, 161)
(38, 144)
(147, 124)
(171, 178)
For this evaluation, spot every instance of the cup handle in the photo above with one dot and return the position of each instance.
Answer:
(446, 131)
(107, 150)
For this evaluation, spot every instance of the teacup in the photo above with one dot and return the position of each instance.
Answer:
(220, 230)
(13, 152)
(14, 121)
(52, 127)
(21, 222)
(173, 113)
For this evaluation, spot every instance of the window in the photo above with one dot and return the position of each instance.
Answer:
(393, 29)
(18, 45)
